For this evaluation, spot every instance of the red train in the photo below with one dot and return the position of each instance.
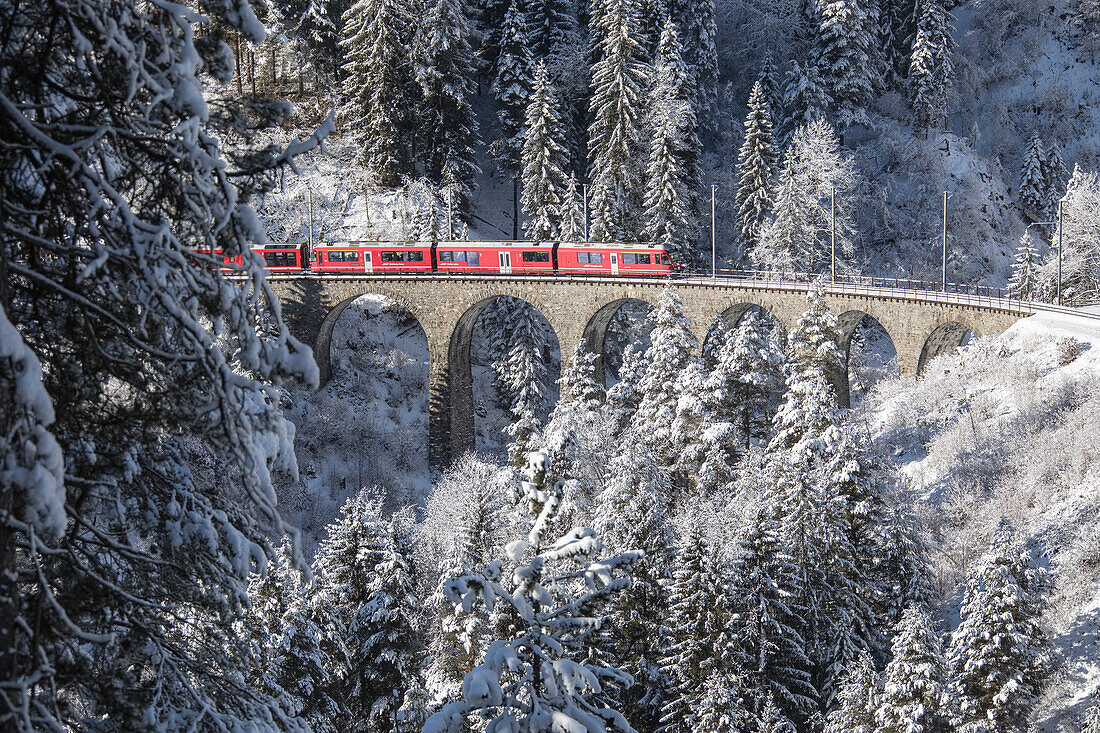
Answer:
(528, 258)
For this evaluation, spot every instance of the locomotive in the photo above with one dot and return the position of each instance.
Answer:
(503, 258)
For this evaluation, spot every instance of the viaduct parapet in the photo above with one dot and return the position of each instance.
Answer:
(922, 325)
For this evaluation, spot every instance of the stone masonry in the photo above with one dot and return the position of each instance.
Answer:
(576, 309)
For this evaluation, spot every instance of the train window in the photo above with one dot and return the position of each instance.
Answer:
(351, 257)
(343, 256)
(391, 256)
(592, 257)
(446, 256)
(639, 259)
(414, 256)
(472, 259)
(664, 259)
(280, 259)
(536, 256)
(335, 256)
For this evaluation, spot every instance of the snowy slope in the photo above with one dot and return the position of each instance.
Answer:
(1010, 428)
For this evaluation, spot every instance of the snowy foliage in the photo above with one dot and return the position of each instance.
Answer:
(544, 163)
(1080, 237)
(756, 168)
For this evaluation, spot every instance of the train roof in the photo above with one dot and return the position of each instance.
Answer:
(610, 245)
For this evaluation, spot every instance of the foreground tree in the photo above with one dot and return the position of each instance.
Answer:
(914, 695)
(131, 519)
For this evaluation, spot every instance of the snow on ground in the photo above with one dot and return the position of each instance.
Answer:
(1009, 427)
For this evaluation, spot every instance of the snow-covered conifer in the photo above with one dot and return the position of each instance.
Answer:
(1080, 267)
(745, 378)
(845, 53)
(135, 513)
(623, 397)
(579, 386)
(773, 93)
(701, 27)
(572, 213)
(444, 67)
(756, 168)
(559, 594)
(904, 572)
(771, 720)
(672, 345)
(914, 693)
(377, 85)
(1054, 179)
(996, 653)
(544, 160)
(805, 97)
(856, 703)
(781, 246)
(522, 373)
(898, 19)
(512, 86)
(1024, 267)
(930, 68)
(1033, 195)
(552, 27)
(619, 79)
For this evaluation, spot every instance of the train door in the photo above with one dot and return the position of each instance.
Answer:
(505, 262)
(368, 263)
(614, 263)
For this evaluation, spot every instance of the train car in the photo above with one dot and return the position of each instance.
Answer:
(495, 257)
(353, 258)
(282, 258)
(577, 258)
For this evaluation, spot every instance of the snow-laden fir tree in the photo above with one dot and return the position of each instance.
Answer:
(1080, 239)
(321, 28)
(897, 18)
(720, 707)
(545, 184)
(633, 512)
(856, 703)
(1055, 176)
(1024, 267)
(134, 514)
(623, 396)
(769, 82)
(816, 174)
(415, 709)
(756, 168)
(771, 651)
(559, 594)
(364, 576)
(551, 28)
(1033, 185)
(931, 71)
(694, 417)
(914, 697)
(579, 388)
(619, 79)
(997, 652)
(443, 63)
(672, 345)
(771, 720)
(572, 213)
(805, 97)
(700, 643)
(378, 86)
(746, 377)
(522, 373)
(1092, 720)
(673, 148)
(903, 568)
(700, 24)
(845, 55)
(512, 88)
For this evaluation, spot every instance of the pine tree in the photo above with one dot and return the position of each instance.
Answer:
(720, 707)
(856, 703)
(513, 85)
(747, 374)
(615, 135)
(845, 56)
(996, 654)
(1033, 192)
(377, 85)
(672, 345)
(773, 93)
(898, 19)
(1022, 284)
(771, 651)
(1054, 180)
(781, 244)
(321, 28)
(572, 214)
(444, 68)
(914, 690)
(701, 30)
(770, 720)
(623, 397)
(904, 572)
(552, 28)
(756, 167)
(930, 68)
(1080, 260)
(544, 159)
(701, 646)
(135, 512)
(521, 371)
(539, 678)
(805, 97)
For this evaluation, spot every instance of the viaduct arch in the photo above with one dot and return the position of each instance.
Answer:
(920, 327)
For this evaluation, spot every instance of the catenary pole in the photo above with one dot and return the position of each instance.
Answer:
(832, 220)
(713, 234)
(584, 196)
(1061, 229)
(945, 196)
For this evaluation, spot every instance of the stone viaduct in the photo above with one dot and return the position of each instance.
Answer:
(921, 325)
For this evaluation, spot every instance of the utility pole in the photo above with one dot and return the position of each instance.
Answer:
(584, 197)
(450, 216)
(832, 219)
(713, 235)
(945, 197)
(309, 195)
(1061, 229)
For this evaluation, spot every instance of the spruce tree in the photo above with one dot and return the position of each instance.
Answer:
(1033, 194)
(914, 687)
(572, 214)
(756, 168)
(1023, 282)
(898, 19)
(623, 397)
(512, 87)
(805, 97)
(701, 40)
(996, 654)
(856, 703)
(444, 68)
(552, 26)
(930, 67)
(1054, 179)
(845, 55)
(904, 571)
(378, 85)
(747, 375)
(781, 244)
(619, 79)
(773, 93)
(544, 160)
(1080, 257)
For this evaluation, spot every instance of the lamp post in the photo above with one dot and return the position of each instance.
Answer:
(713, 235)
(946, 195)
